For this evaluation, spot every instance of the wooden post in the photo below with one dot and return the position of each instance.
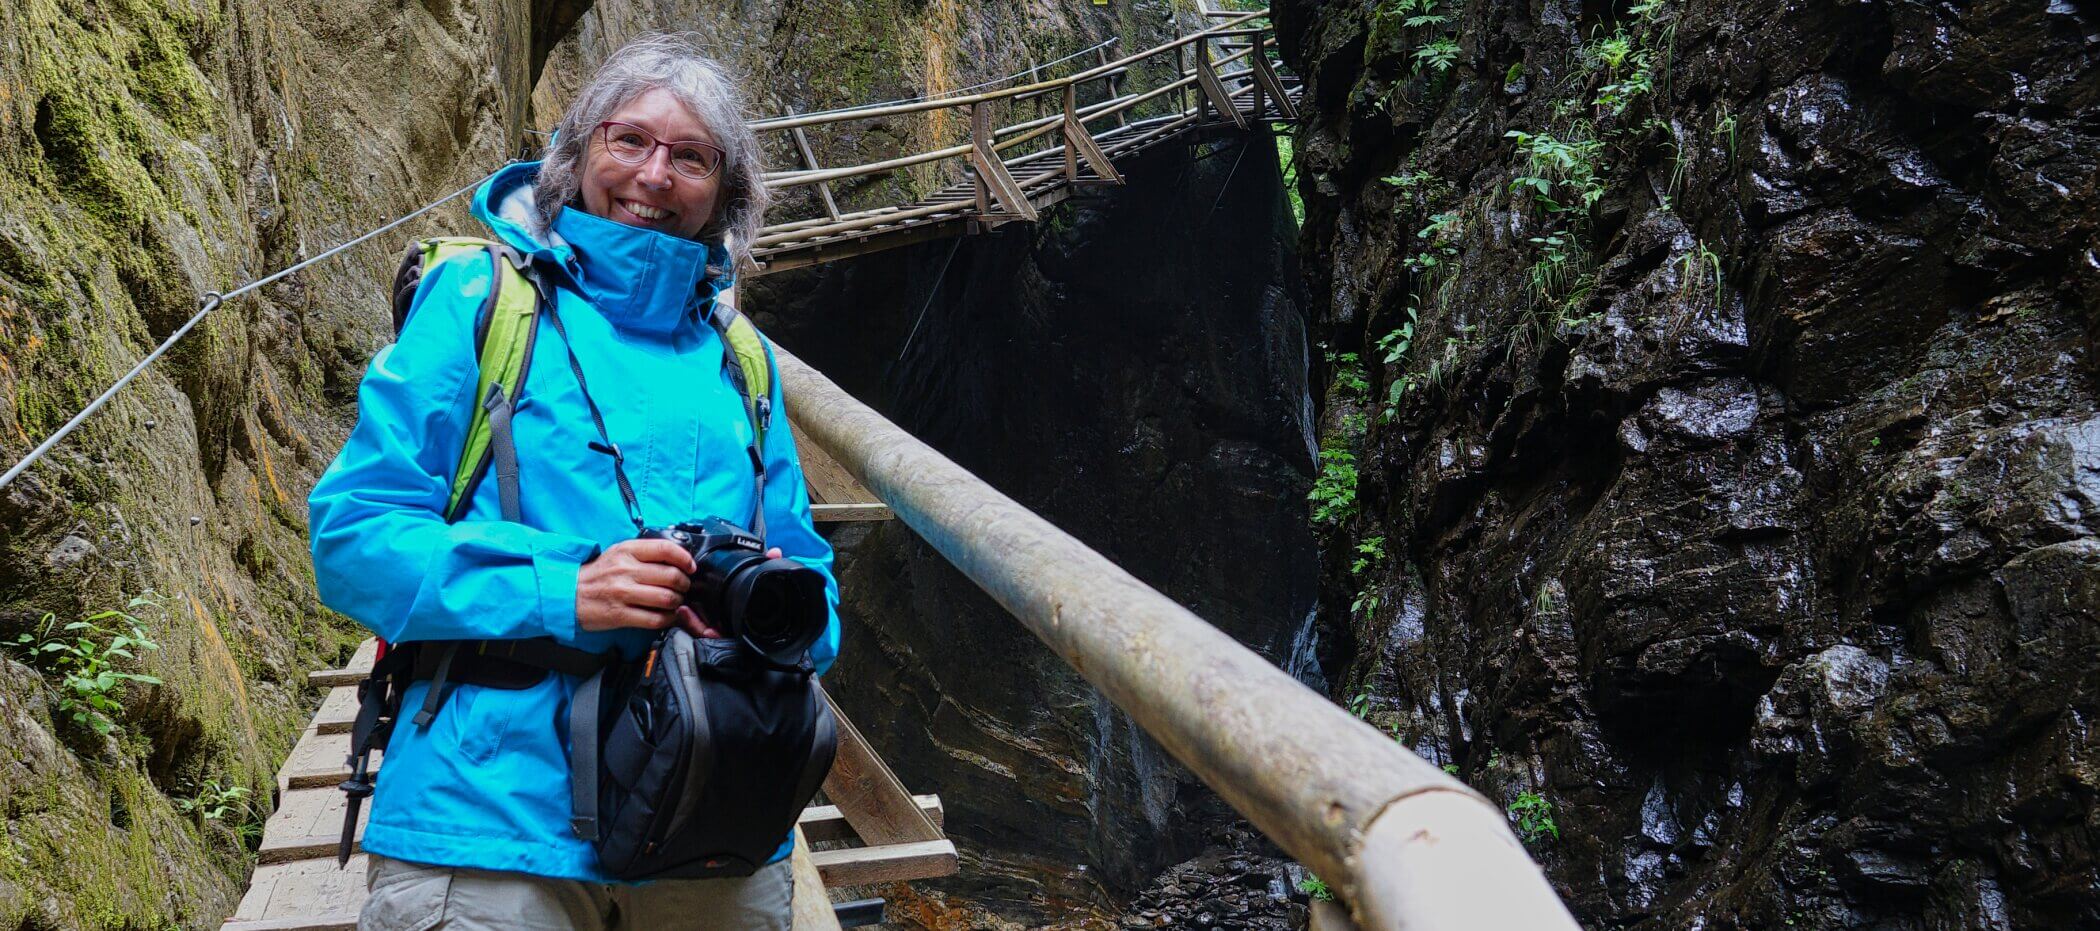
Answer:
(812, 907)
(809, 160)
(1265, 76)
(1181, 70)
(1115, 84)
(1207, 75)
(992, 176)
(1404, 843)
(1079, 142)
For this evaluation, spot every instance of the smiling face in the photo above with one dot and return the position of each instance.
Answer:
(651, 194)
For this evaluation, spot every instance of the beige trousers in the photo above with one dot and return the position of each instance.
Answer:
(413, 897)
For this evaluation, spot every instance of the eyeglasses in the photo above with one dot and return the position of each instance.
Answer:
(632, 144)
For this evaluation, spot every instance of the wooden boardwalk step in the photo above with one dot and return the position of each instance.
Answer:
(308, 894)
(319, 760)
(338, 711)
(860, 866)
(309, 822)
(360, 664)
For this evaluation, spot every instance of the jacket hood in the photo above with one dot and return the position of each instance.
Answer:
(639, 279)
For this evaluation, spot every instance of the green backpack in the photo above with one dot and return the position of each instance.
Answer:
(503, 332)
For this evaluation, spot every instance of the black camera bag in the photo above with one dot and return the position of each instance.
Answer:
(709, 755)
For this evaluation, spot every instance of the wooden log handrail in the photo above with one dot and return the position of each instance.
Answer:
(1404, 844)
(780, 123)
(1015, 135)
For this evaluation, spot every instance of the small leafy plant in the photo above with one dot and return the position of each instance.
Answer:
(85, 655)
(1316, 887)
(214, 801)
(1334, 492)
(1533, 814)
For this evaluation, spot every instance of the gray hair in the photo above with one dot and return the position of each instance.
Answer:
(675, 64)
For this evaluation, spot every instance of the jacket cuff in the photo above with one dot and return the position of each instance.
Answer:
(555, 567)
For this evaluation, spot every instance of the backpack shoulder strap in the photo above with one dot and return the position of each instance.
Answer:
(750, 369)
(504, 328)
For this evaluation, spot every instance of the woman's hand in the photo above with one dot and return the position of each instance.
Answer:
(634, 583)
(691, 621)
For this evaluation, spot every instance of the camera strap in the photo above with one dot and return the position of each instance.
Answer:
(610, 448)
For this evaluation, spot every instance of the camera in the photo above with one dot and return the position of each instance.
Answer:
(775, 607)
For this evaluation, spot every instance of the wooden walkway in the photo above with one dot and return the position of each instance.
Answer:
(297, 885)
(1226, 81)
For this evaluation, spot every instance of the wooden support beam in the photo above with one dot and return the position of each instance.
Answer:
(809, 161)
(1080, 143)
(1265, 77)
(1207, 75)
(870, 796)
(992, 177)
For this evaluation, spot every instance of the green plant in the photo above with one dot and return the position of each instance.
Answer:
(1287, 157)
(1724, 126)
(1316, 887)
(1417, 13)
(1369, 553)
(1451, 769)
(1334, 492)
(1694, 268)
(1438, 54)
(214, 800)
(1568, 167)
(1533, 814)
(85, 656)
(1366, 602)
(1406, 181)
(1360, 706)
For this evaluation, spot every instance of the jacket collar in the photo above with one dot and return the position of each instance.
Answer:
(640, 280)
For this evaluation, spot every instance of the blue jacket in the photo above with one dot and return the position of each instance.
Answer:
(486, 784)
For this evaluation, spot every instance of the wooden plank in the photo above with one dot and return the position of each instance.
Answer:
(823, 513)
(319, 760)
(829, 482)
(322, 923)
(811, 907)
(304, 889)
(338, 711)
(826, 823)
(870, 795)
(306, 824)
(360, 664)
(860, 866)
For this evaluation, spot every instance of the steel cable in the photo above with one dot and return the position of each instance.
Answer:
(211, 301)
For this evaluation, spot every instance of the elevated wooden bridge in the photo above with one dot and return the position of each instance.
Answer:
(1220, 78)
(1400, 842)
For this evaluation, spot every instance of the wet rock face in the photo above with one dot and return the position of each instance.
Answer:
(152, 151)
(1738, 474)
(1131, 369)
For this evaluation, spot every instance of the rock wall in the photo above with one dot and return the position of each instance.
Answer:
(1131, 369)
(151, 151)
(1710, 440)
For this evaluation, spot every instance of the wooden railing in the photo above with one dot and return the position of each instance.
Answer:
(1002, 167)
(1404, 844)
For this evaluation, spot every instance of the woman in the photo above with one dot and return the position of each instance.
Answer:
(647, 198)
